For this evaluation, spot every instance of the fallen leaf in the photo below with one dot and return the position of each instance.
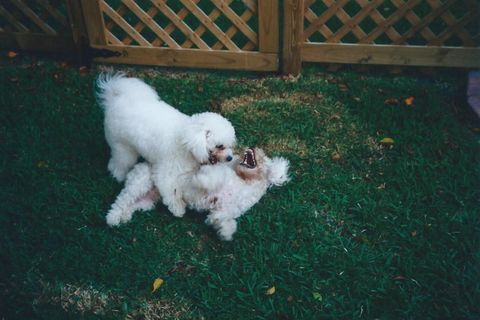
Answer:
(290, 298)
(409, 101)
(336, 156)
(476, 130)
(343, 87)
(317, 296)
(356, 99)
(381, 186)
(290, 78)
(387, 141)
(391, 101)
(399, 278)
(200, 88)
(83, 70)
(42, 164)
(156, 284)
(414, 233)
(12, 54)
(335, 117)
(270, 291)
(13, 79)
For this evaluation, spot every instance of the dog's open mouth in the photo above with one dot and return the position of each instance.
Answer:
(249, 159)
(212, 159)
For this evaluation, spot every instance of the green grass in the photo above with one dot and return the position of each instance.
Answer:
(388, 233)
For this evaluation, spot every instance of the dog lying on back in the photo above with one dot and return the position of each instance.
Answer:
(225, 191)
(138, 123)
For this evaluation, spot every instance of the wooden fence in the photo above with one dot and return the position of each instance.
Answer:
(396, 32)
(244, 34)
(45, 25)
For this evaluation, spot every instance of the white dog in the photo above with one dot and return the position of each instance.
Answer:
(225, 191)
(139, 123)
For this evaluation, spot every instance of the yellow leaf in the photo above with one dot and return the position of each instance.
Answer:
(409, 100)
(386, 141)
(270, 291)
(156, 284)
(42, 164)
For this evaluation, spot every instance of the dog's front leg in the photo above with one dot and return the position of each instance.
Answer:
(171, 194)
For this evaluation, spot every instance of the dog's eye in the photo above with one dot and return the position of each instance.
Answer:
(220, 146)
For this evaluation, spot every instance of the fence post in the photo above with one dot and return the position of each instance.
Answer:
(94, 22)
(79, 33)
(292, 36)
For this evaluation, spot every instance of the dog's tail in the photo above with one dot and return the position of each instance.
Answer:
(107, 87)
(113, 86)
(278, 171)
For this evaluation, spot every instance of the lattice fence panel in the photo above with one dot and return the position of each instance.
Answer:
(47, 17)
(228, 25)
(453, 23)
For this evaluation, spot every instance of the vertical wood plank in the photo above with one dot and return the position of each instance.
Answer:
(77, 25)
(292, 36)
(79, 32)
(94, 22)
(268, 26)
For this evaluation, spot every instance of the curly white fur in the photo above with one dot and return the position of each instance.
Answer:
(139, 123)
(218, 189)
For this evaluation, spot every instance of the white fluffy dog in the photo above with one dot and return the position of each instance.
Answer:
(226, 191)
(139, 123)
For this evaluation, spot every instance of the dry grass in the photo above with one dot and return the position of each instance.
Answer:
(246, 101)
(161, 309)
(82, 299)
(90, 300)
(287, 144)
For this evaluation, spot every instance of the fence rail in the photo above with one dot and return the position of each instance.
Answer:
(244, 34)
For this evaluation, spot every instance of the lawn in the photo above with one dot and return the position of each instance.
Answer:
(363, 230)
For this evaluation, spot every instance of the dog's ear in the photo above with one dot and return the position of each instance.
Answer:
(194, 138)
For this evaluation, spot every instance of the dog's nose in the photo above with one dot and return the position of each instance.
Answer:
(229, 158)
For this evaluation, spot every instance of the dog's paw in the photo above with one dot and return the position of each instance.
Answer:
(113, 218)
(177, 209)
(118, 174)
(227, 229)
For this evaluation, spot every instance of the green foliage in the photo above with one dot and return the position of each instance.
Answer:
(380, 232)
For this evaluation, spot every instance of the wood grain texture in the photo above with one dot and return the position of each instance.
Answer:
(193, 58)
(268, 38)
(94, 22)
(392, 55)
(292, 36)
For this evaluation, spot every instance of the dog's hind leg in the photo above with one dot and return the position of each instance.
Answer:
(170, 191)
(122, 159)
